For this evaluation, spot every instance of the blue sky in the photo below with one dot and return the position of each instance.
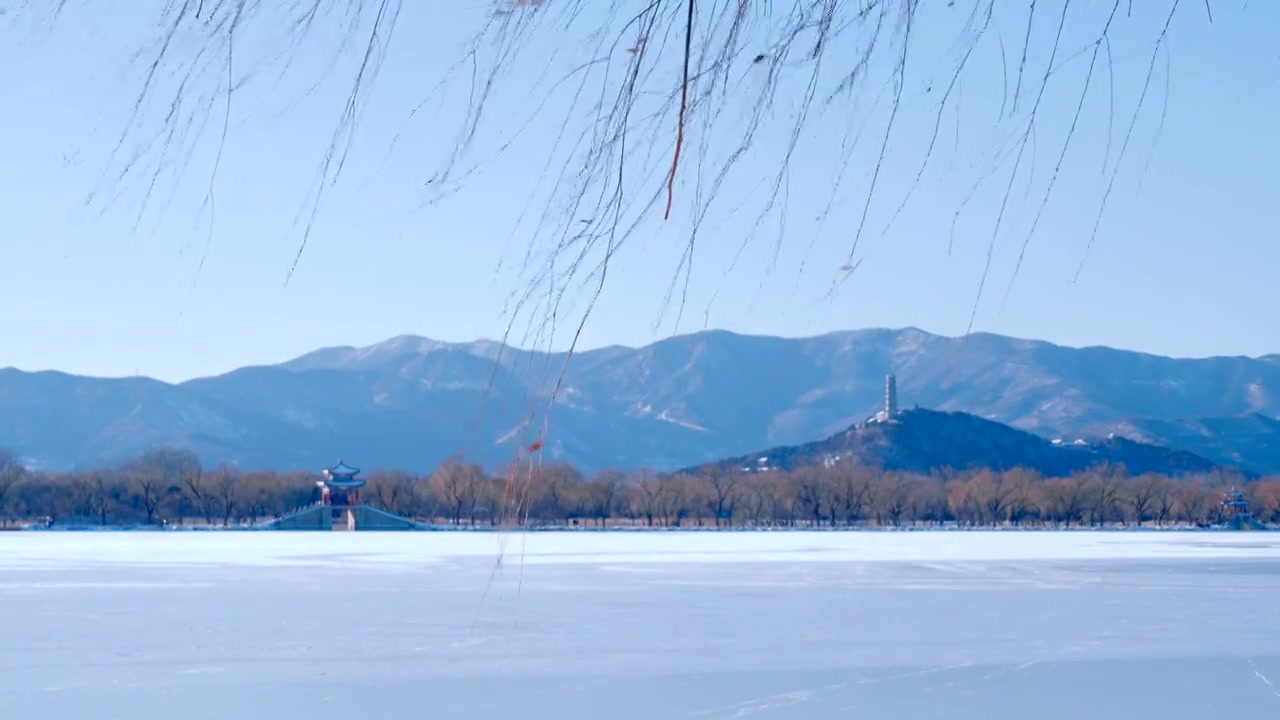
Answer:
(1184, 262)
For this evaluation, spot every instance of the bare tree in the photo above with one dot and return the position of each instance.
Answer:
(104, 486)
(812, 493)
(895, 496)
(392, 490)
(852, 490)
(1021, 499)
(990, 494)
(193, 485)
(1064, 499)
(11, 473)
(560, 490)
(782, 498)
(758, 500)
(684, 497)
(1143, 496)
(492, 497)
(46, 498)
(151, 477)
(603, 493)
(724, 484)
(458, 485)
(149, 489)
(260, 495)
(1266, 499)
(651, 497)
(1166, 501)
(930, 503)
(963, 502)
(1103, 490)
(226, 490)
(1193, 501)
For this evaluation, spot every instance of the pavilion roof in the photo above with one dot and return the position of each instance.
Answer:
(343, 469)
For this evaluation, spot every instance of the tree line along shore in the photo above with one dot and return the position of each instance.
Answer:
(171, 488)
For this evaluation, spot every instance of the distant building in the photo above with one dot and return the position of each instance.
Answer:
(339, 507)
(1235, 510)
(890, 410)
(340, 488)
(890, 396)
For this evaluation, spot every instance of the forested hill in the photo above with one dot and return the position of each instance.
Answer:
(926, 440)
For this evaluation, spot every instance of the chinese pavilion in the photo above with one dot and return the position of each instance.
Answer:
(1235, 508)
(340, 490)
(340, 507)
(340, 486)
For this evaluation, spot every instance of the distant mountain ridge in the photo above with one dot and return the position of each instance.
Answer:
(412, 402)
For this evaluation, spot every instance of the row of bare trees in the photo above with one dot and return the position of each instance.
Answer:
(171, 487)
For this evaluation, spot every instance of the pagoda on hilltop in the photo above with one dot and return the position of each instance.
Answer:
(890, 411)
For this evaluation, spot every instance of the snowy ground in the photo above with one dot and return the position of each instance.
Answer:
(639, 625)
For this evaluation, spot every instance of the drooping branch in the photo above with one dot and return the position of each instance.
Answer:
(671, 120)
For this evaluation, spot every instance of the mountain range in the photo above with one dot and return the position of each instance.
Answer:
(412, 402)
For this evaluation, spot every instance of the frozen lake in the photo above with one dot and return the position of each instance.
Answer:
(639, 625)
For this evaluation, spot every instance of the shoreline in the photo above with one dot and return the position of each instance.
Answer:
(655, 530)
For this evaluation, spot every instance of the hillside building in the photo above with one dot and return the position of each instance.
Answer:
(890, 410)
(890, 396)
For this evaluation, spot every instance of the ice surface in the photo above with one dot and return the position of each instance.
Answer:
(413, 549)
(639, 625)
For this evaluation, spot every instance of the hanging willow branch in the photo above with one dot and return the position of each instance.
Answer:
(703, 84)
